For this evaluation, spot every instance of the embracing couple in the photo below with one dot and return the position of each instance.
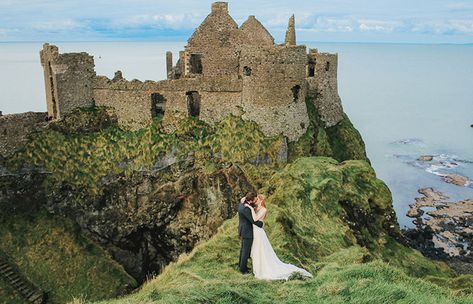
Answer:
(254, 242)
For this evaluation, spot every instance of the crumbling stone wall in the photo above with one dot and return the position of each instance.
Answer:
(16, 128)
(131, 100)
(68, 80)
(323, 87)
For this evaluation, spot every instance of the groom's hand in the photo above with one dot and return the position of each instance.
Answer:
(259, 224)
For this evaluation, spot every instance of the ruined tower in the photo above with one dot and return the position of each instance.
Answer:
(224, 69)
(291, 32)
(68, 80)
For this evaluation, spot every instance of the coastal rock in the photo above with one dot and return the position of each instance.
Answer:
(431, 198)
(456, 179)
(446, 230)
(426, 158)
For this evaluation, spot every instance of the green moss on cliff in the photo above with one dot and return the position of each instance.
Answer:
(345, 141)
(51, 253)
(310, 227)
(341, 142)
(81, 160)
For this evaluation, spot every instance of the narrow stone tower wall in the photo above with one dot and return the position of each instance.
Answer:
(323, 88)
(69, 80)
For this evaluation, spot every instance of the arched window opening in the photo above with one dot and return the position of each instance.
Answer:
(296, 91)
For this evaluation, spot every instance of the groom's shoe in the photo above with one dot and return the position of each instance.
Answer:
(245, 272)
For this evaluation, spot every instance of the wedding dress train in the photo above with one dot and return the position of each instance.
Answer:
(266, 264)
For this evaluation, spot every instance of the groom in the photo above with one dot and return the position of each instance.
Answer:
(245, 229)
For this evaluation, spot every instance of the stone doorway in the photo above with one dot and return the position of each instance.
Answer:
(158, 105)
(193, 103)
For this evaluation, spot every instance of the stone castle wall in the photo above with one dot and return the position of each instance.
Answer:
(274, 88)
(218, 98)
(323, 87)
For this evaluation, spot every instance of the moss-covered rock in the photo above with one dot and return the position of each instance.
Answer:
(84, 120)
(341, 142)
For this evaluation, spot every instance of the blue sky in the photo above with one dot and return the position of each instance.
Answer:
(414, 21)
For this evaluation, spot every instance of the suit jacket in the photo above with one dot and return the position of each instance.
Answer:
(245, 222)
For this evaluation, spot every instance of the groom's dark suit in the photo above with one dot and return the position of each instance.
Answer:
(245, 231)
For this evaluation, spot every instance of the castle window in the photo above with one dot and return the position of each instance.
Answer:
(311, 70)
(327, 66)
(193, 103)
(296, 91)
(158, 105)
(247, 71)
(195, 63)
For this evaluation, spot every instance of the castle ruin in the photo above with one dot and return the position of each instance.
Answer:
(224, 69)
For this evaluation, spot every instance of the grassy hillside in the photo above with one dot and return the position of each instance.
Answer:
(334, 219)
(51, 253)
(311, 203)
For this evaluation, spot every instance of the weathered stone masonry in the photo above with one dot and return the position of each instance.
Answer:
(224, 69)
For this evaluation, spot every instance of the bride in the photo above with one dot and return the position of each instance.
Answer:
(266, 264)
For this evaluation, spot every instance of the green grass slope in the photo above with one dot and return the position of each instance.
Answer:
(311, 205)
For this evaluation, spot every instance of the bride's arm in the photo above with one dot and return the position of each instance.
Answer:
(259, 216)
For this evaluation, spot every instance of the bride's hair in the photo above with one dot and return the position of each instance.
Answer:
(263, 201)
(263, 204)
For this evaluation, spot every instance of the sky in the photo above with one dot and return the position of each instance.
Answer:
(378, 21)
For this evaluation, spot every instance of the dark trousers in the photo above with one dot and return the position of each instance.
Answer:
(245, 252)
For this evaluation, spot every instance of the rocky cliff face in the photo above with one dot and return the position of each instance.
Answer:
(148, 219)
(145, 220)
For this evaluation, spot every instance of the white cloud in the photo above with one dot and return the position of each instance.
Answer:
(378, 25)
(66, 24)
(444, 27)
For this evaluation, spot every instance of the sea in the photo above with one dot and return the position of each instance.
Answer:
(407, 100)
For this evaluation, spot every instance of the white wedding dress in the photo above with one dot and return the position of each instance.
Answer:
(266, 264)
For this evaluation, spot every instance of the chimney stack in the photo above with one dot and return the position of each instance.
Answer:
(220, 8)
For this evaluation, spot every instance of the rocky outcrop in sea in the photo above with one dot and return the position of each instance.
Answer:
(443, 228)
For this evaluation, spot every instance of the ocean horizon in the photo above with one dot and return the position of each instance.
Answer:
(406, 100)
